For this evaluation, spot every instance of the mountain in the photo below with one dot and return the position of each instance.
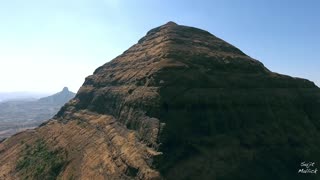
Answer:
(179, 104)
(20, 114)
(59, 98)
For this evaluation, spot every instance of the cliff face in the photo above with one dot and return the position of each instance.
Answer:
(179, 104)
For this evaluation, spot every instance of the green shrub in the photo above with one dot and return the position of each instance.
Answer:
(38, 162)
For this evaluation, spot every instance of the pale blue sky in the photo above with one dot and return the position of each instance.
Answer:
(48, 44)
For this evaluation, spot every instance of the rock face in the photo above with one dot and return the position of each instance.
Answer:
(179, 104)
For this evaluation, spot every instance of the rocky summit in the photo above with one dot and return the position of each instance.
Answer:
(179, 104)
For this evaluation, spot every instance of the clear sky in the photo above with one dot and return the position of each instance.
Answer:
(48, 44)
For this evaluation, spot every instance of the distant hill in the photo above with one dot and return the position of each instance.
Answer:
(59, 98)
(19, 114)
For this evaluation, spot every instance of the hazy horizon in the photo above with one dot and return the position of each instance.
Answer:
(36, 92)
(47, 45)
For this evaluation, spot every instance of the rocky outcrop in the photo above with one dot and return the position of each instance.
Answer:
(179, 104)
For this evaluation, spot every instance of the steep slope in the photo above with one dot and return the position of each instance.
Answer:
(179, 104)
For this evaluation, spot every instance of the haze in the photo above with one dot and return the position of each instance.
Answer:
(46, 45)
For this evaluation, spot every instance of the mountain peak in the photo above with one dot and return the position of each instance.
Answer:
(185, 39)
(171, 23)
(65, 89)
(59, 98)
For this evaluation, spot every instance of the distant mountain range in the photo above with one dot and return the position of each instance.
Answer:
(24, 112)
